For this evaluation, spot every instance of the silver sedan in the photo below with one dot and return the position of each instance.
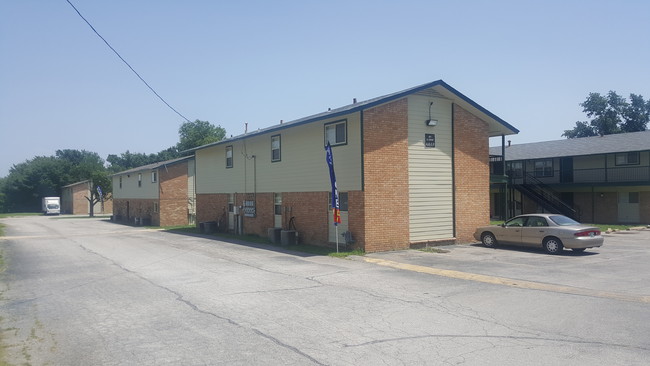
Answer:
(550, 231)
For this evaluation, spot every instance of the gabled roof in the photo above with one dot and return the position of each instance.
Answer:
(438, 88)
(155, 165)
(617, 143)
(74, 184)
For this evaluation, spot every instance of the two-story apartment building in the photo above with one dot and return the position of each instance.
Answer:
(603, 179)
(159, 194)
(74, 201)
(412, 167)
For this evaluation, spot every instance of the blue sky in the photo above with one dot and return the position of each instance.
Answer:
(230, 62)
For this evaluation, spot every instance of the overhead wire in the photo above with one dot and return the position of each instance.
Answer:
(126, 63)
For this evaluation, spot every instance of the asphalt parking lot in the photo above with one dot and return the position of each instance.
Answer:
(618, 269)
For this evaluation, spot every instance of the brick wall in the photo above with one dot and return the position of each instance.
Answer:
(212, 207)
(173, 195)
(644, 207)
(125, 210)
(385, 203)
(310, 210)
(471, 174)
(79, 201)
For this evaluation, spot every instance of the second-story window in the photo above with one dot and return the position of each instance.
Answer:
(139, 179)
(336, 133)
(276, 154)
(229, 156)
(154, 177)
(629, 158)
(120, 182)
(544, 168)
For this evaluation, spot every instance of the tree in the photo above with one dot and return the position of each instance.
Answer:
(611, 114)
(198, 133)
(100, 189)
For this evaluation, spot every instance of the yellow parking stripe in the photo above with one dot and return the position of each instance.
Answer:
(509, 281)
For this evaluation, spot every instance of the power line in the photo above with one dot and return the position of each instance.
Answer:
(127, 64)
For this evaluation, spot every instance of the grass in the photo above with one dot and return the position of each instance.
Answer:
(428, 249)
(302, 248)
(18, 214)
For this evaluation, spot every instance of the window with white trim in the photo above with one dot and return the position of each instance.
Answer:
(229, 156)
(154, 176)
(139, 179)
(276, 154)
(336, 133)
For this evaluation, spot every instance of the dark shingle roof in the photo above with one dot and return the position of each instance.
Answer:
(622, 142)
(154, 165)
(504, 127)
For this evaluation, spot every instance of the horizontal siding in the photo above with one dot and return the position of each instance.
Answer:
(302, 167)
(430, 170)
(130, 189)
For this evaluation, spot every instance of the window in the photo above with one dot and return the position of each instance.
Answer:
(336, 133)
(154, 177)
(120, 182)
(275, 148)
(544, 168)
(231, 202)
(630, 158)
(229, 156)
(516, 169)
(139, 179)
(155, 207)
(343, 201)
(277, 203)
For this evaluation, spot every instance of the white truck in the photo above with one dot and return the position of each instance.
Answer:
(51, 205)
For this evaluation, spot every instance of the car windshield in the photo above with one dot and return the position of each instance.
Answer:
(563, 220)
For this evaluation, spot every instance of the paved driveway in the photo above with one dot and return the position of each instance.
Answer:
(89, 292)
(621, 266)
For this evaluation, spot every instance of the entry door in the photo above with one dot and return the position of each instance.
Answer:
(566, 170)
(277, 210)
(628, 207)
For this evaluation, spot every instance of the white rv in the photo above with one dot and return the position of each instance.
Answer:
(51, 205)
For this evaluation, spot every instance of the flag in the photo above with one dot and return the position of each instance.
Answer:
(335, 191)
(99, 192)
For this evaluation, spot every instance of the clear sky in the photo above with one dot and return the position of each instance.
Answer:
(230, 62)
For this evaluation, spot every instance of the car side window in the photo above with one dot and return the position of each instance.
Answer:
(536, 222)
(517, 222)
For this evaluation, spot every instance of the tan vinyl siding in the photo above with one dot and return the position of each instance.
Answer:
(430, 170)
(130, 188)
(302, 167)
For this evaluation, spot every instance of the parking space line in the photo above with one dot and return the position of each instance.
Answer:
(509, 281)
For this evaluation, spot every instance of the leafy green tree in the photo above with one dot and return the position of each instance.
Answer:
(100, 181)
(611, 114)
(27, 182)
(198, 133)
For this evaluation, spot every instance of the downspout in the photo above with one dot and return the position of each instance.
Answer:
(453, 171)
(503, 165)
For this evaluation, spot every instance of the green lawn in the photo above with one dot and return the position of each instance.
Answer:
(302, 248)
(18, 214)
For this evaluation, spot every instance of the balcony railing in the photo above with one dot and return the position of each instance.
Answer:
(635, 174)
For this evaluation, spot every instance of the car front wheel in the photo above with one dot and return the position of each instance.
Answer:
(553, 245)
(489, 240)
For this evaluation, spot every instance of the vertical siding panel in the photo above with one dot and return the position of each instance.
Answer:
(430, 170)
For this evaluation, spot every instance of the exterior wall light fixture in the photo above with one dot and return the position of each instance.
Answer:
(430, 122)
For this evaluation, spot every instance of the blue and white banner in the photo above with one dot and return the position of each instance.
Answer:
(335, 191)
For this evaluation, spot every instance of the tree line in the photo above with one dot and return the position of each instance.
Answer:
(27, 182)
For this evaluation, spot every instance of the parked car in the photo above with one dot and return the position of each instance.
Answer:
(550, 231)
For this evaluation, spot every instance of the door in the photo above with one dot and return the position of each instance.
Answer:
(628, 207)
(277, 208)
(511, 233)
(231, 212)
(534, 231)
(566, 170)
